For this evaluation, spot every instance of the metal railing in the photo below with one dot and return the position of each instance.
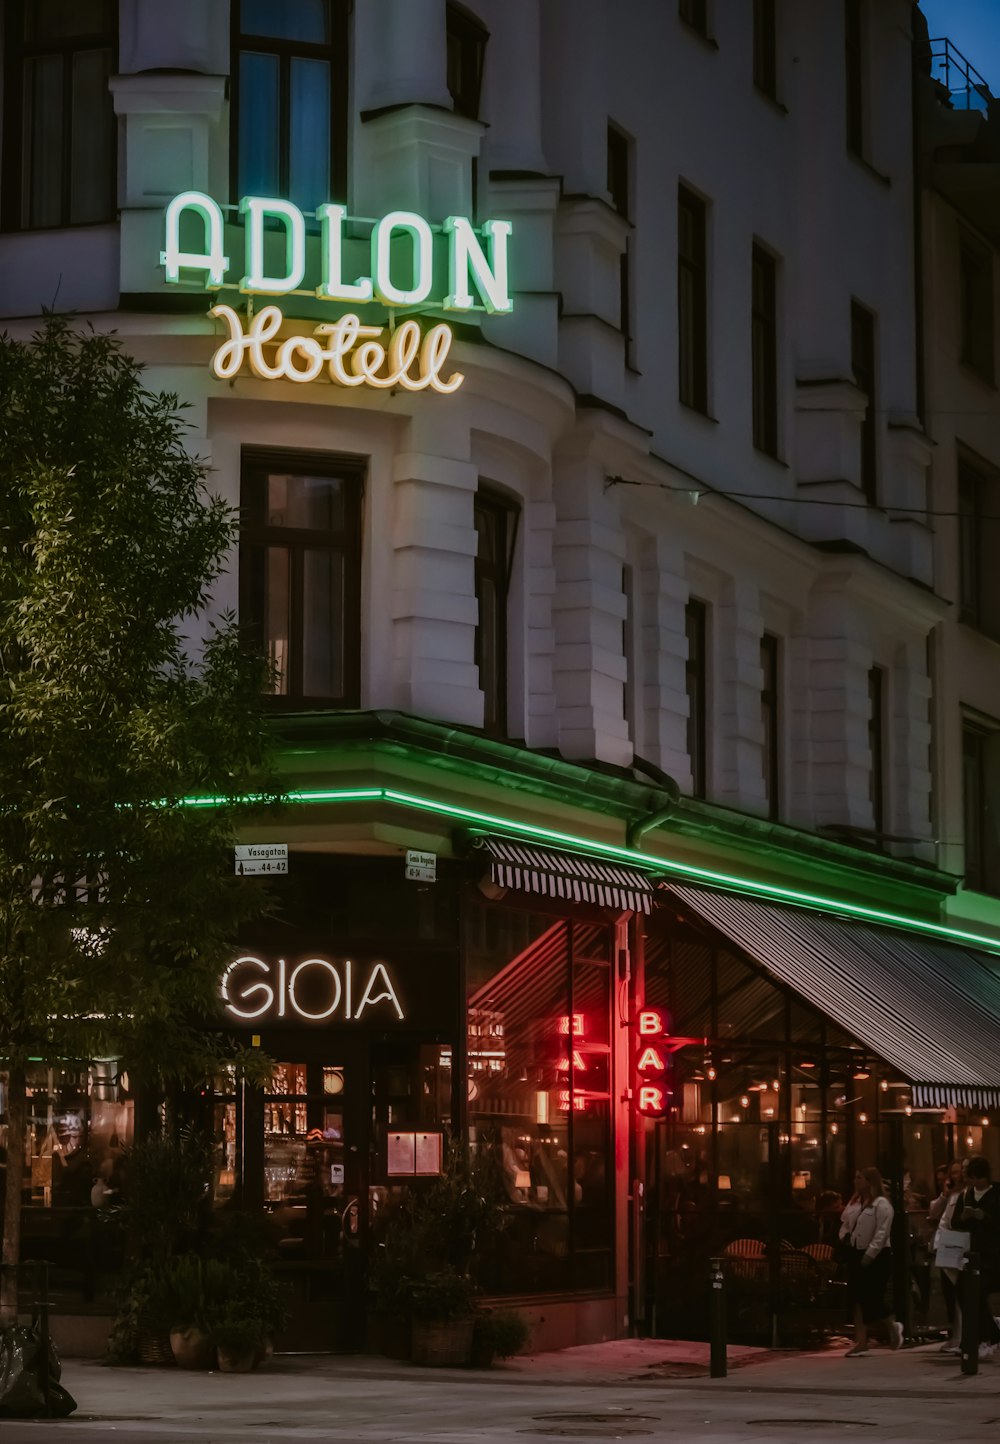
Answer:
(967, 89)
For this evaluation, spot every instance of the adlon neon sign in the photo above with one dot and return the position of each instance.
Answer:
(314, 990)
(351, 354)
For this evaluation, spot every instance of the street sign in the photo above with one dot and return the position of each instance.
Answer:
(256, 859)
(421, 866)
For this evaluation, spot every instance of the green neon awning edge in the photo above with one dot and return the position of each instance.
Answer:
(668, 868)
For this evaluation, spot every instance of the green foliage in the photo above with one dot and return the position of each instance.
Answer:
(501, 1332)
(165, 1182)
(441, 1296)
(238, 1336)
(116, 907)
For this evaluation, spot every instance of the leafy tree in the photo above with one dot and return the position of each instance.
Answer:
(117, 904)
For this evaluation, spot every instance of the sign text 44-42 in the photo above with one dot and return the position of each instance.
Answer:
(254, 859)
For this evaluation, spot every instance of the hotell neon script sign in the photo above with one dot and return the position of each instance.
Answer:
(348, 352)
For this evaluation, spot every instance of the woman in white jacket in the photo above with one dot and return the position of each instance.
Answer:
(865, 1224)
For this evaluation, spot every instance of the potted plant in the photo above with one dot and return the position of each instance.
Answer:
(498, 1334)
(238, 1343)
(442, 1308)
(180, 1304)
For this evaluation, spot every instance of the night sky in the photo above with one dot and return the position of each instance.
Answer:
(973, 26)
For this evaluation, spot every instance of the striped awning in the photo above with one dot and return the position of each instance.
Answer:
(567, 875)
(927, 1008)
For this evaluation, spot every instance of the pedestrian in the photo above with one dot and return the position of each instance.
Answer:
(864, 1226)
(941, 1214)
(978, 1212)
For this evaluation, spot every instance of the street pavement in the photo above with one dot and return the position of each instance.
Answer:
(629, 1389)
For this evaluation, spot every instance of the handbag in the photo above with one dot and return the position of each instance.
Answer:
(951, 1248)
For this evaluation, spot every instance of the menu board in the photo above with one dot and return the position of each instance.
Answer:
(414, 1154)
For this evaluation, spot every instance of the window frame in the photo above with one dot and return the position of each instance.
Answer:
(260, 462)
(765, 48)
(696, 614)
(855, 109)
(692, 347)
(337, 53)
(976, 308)
(695, 14)
(864, 369)
(471, 36)
(764, 349)
(16, 52)
(620, 165)
(506, 515)
(770, 716)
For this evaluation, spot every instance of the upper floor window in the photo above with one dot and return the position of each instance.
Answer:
(765, 47)
(300, 573)
(877, 775)
(289, 134)
(764, 350)
(695, 14)
(978, 543)
(692, 300)
(854, 66)
(770, 719)
(619, 188)
(696, 687)
(981, 804)
(466, 55)
(495, 522)
(58, 124)
(864, 367)
(976, 307)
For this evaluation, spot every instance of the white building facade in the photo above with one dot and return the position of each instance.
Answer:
(651, 582)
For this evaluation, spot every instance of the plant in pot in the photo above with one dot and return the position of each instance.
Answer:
(442, 1307)
(498, 1334)
(238, 1342)
(180, 1304)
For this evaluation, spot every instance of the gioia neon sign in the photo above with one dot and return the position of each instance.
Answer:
(314, 990)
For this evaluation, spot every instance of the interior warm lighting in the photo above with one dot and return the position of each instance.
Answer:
(807, 1063)
(884, 1085)
(725, 1183)
(860, 1074)
(834, 1127)
(908, 1110)
(985, 1122)
(776, 1085)
(712, 1075)
(744, 1101)
(862, 1117)
(325, 796)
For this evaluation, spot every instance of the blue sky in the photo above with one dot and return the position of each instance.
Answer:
(974, 27)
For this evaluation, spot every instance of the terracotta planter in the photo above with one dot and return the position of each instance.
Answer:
(192, 1349)
(236, 1361)
(442, 1344)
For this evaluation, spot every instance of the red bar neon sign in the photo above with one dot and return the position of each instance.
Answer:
(652, 1063)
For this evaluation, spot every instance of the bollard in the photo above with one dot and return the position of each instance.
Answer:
(717, 1320)
(969, 1285)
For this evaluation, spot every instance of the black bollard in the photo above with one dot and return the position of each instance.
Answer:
(969, 1286)
(717, 1320)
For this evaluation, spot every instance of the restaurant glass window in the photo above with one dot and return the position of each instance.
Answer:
(59, 123)
(539, 1096)
(289, 137)
(80, 1121)
(304, 1157)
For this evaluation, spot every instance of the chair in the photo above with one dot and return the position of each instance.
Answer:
(746, 1259)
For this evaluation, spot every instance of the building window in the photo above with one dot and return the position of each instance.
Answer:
(695, 14)
(59, 125)
(466, 56)
(877, 774)
(289, 132)
(854, 62)
(765, 47)
(976, 308)
(619, 188)
(978, 543)
(980, 784)
(495, 522)
(764, 350)
(692, 301)
(300, 572)
(770, 720)
(863, 365)
(696, 687)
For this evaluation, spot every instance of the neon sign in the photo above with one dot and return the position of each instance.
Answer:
(313, 990)
(652, 1063)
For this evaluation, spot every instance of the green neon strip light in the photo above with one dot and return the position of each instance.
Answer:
(507, 825)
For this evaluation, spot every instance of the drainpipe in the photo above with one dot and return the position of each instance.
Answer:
(639, 826)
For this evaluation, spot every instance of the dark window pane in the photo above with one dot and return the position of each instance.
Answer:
(764, 47)
(876, 748)
(259, 125)
(863, 363)
(493, 523)
(466, 51)
(65, 19)
(854, 76)
(92, 138)
(976, 309)
(323, 606)
(695, 12)
(312, 502)
(695, 679)
(692, 302)
(770, 720)
(309, 133)
(764, 352)
(43, 134)
(269, 589)
(307, 20)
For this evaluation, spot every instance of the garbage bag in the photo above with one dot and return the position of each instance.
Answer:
(22, 1385)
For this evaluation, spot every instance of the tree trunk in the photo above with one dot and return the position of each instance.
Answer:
(17, 1124)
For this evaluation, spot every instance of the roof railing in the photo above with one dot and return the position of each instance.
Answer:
(967, 89)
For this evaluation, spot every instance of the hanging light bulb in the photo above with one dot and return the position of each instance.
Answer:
(744, 1101)
(909, 1110)
(712, 1075)
(884, 1085)
(776, 1084)
(862, 1117)
(834, 1127)
(985, 1122)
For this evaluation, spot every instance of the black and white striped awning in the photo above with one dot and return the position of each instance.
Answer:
(929, 1009)
(570, 876)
